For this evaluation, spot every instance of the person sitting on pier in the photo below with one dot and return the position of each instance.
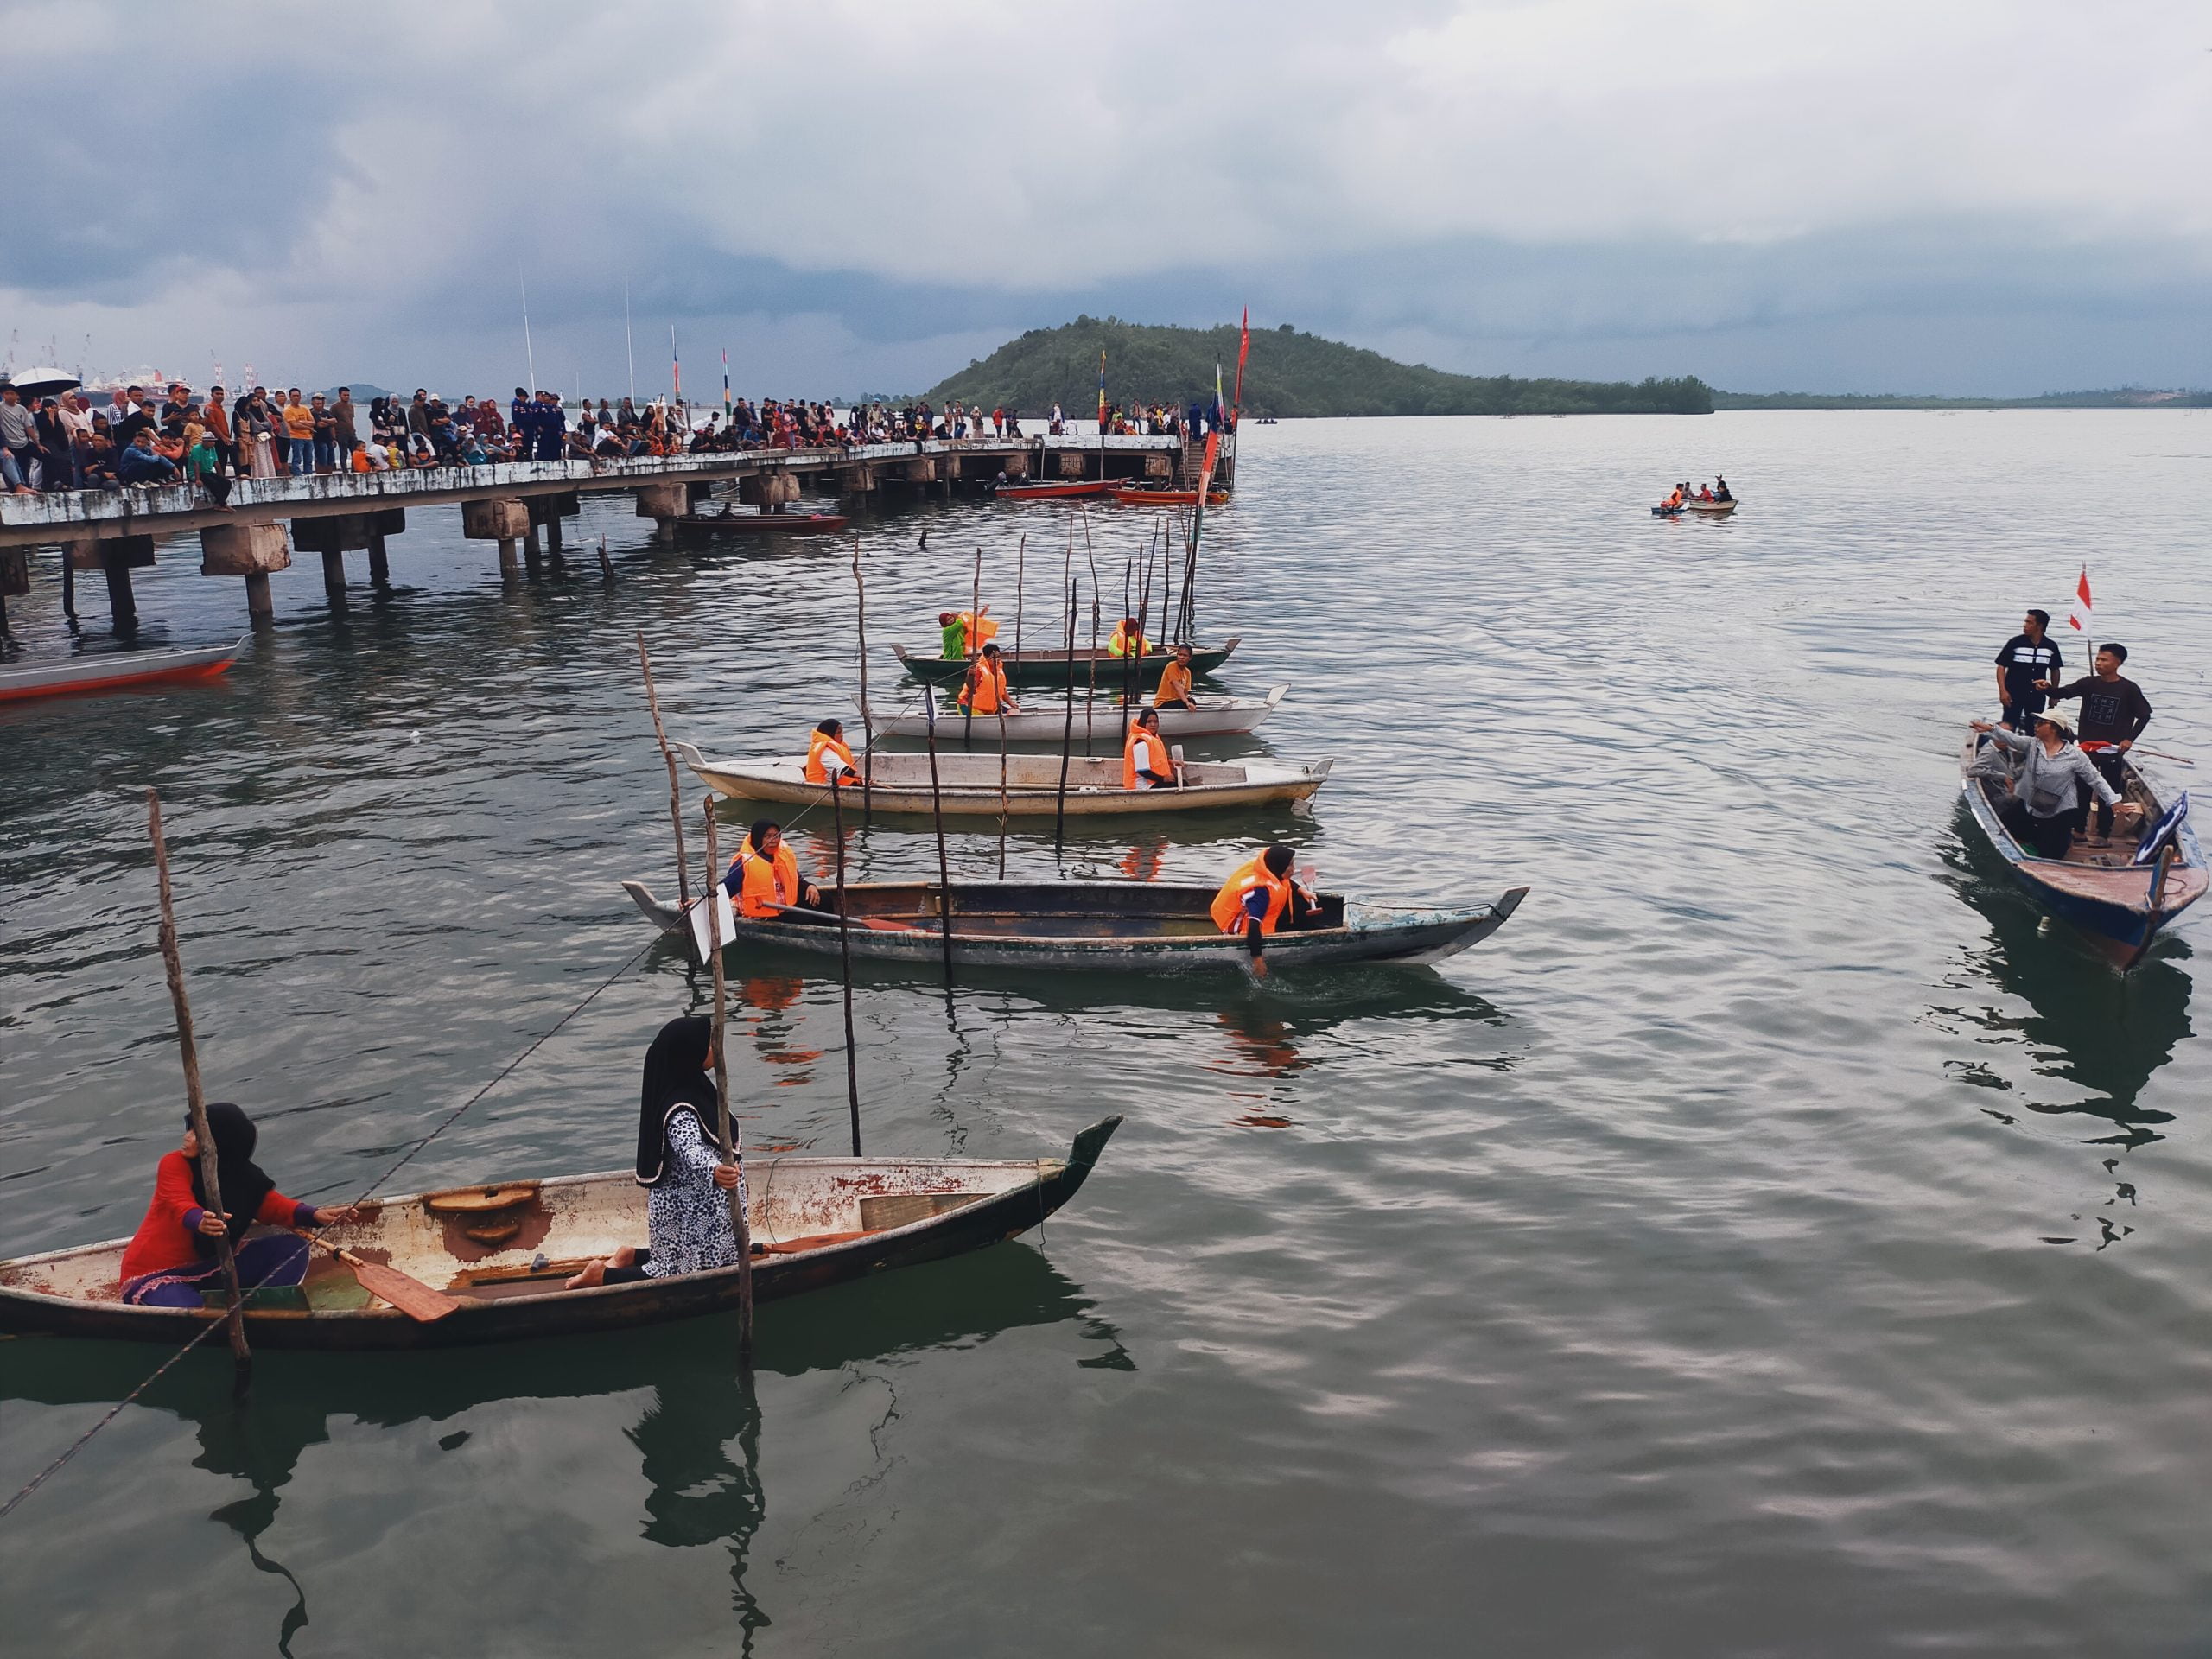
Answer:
(173, 1257)
(687, 1225)
(1175, 691)
(1145, 763)
(764, 876)
(1260, 895)
(2114, 711)
(1126, 640)
(828, 759)
(2041, 812)
(141, 464)
(984, 689)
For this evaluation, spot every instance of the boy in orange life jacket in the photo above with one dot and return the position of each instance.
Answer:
(1175, 682)
(983, 689)
(764, 876)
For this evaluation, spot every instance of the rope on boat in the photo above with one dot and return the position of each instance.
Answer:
(113, 1412)
(217, 1323)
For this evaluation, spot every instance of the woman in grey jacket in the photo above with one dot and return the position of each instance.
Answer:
(2040, 812)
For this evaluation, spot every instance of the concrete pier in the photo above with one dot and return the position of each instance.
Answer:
(115, 531)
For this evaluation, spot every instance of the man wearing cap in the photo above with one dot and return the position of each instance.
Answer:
(2041, 812)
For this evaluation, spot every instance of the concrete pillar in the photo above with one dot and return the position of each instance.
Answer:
(503, 519)
(334, 579)
(663, 504)
(115, 557)
(122, 603)
(553, 537)
(510, 565)
(251, 551)
(379, 565)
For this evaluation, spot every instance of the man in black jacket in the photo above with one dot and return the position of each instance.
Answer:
(2029, 656)
(2113, 714)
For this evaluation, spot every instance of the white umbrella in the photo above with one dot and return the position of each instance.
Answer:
(44, 382)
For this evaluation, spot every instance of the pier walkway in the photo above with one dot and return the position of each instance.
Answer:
(116, 531)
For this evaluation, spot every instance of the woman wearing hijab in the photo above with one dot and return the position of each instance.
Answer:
(174, 1257)
(688, 1228)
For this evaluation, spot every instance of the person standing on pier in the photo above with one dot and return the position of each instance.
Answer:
(552, 428)
(299, 434)
(345, 431)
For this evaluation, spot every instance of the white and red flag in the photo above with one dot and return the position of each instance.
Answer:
(2082, 614)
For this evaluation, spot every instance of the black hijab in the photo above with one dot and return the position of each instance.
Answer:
(244, 1184)
(674, 1076)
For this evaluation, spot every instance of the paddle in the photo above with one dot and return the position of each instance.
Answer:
(411, 1296)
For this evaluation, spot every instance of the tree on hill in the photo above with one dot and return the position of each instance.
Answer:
(1289, 373)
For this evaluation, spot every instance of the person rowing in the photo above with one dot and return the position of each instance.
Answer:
(174, 1260)
(688, 1227)
(2041, 812)
(984, 689)
(1261, 898)
(828, 759)
(1145, 763)
(1128, 640)
(763, 878)
(1175, 691)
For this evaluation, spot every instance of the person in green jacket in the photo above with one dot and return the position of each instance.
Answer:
(203, 463)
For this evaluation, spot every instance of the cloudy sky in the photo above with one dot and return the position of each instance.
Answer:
(1974, 196)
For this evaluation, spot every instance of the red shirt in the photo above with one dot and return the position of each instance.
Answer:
(166, 1238)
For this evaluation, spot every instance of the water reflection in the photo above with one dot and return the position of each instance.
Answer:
(2106, 1033)
(698, 1438)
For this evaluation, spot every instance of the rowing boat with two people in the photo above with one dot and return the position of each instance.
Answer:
(1052, 668)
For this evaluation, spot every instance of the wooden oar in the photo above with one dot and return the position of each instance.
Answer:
(724, 1135)
(409, 1295)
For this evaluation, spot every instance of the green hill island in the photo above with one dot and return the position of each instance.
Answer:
(1289, 374)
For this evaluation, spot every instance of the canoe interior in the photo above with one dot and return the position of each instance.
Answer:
(485, 1244)
(1103, 910)
(965, 770)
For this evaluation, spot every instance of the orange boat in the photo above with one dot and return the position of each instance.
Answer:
(105, 671)
(1135, 498)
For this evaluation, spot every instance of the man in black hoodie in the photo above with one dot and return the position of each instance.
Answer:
(2114, 711)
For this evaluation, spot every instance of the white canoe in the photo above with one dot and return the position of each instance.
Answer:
(969, 784)
(1040, 721)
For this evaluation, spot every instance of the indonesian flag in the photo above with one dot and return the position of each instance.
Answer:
(2080, 616)
(1243, 351)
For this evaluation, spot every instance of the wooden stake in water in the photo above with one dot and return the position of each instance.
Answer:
(937, 812)
(722, 1090)
(868, 716)
(675, 789)
(845, 965)
(195, 1103)
(1067, 734)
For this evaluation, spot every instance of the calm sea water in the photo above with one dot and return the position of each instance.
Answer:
(1772, 1241)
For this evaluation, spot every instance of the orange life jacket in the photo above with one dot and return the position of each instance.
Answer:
(1124, 637)
(977, 631)
(822, 743)
(1676, 499)
(1227, 907)
(1156, 762)
(762, 886)
(1174, 685)
(983, 692)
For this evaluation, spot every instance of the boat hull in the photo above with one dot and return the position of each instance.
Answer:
(761, 524)
(1710, 509)
(1169, 498)
(113, 670)
(50, 1293)
(1050, 668)
(2110, 903)
(898, 921)
(1220, 717)
(1052, 491)
(968, 784)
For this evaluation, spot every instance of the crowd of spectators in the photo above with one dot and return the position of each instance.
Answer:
(69, 441)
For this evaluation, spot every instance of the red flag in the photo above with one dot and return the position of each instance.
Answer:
(2082, 615)
(1244, 349)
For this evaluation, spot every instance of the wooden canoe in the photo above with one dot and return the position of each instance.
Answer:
(1106, 719)
(968, 784)
(823, 1221)
(787, 523)
(1711, 509)
(1050, 668)
(107, 670)
(1143, 498)
(1052, 491)
(1142, 926)
(2120, 905)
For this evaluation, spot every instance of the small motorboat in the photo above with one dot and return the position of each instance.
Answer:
(108, 670)
(1143, 926)
(1142, 497)
(503, 1250)
(1215, 718)
(782, 524)
(1059, 492)
(1050, 668)
(2121, 895)
(968, 784)
(1662, 510)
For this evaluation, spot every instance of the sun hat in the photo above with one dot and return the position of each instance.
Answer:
(2057, 716)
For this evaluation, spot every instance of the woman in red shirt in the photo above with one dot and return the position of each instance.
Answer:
(172, 1259)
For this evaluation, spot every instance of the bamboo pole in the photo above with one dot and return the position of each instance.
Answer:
(868, 716)
(1129, 651)
(974, 655)
(937, 812)
(196, 1103)
(737, 1220)
(675, 789)
(845, 965)
(1067, 733)
(1090, 696)
(1020, 574)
